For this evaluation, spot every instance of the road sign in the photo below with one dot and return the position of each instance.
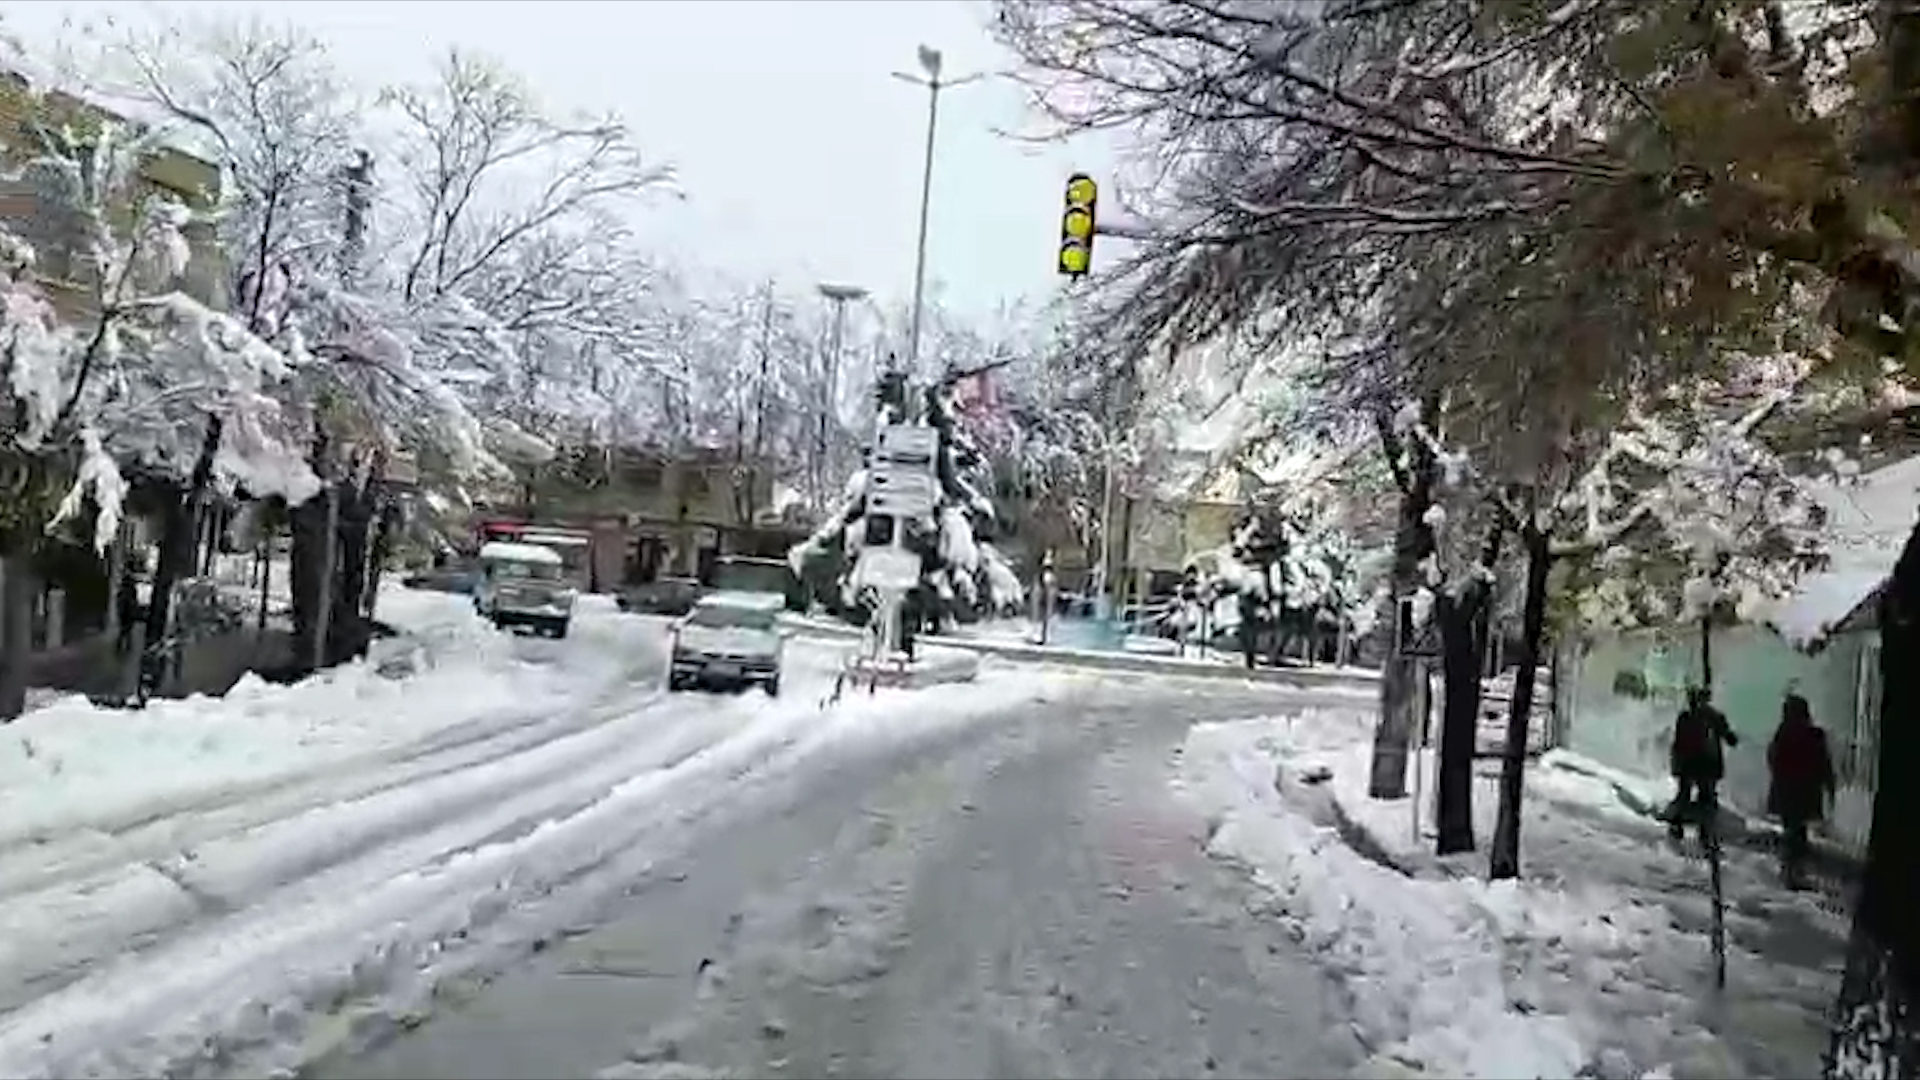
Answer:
(907, 445)
(902, 493)
(888, 569)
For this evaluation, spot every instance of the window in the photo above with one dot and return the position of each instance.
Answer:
(645, 476)
(524, 571)
(725, 617)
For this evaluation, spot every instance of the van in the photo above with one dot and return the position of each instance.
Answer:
(523, 585)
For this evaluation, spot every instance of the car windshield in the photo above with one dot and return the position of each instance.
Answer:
(727, 617)
(505, 570)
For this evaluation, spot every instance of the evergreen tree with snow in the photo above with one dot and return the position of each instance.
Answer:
(1289, 574)
(963, 576)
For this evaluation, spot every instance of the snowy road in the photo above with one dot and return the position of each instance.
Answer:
(1014, 896)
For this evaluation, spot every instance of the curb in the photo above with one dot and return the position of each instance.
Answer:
(1145, 663)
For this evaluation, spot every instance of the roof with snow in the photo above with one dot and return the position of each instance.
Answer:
(507, 551)
(1868, 523)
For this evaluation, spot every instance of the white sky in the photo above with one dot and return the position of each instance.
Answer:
(799, 153)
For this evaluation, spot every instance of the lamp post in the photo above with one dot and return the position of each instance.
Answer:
(839, 296)
(930, 61)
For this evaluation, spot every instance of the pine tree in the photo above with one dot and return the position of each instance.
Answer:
(963, 576)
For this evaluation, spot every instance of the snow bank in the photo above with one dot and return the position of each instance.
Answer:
(72, 764)
(1596, 960)
(1426, 961)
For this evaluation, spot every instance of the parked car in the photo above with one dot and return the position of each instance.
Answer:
(748, 573)
(448, 579)
(662, 596)
(524, 585)
(729, 639)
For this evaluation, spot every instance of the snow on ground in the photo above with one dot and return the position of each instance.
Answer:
(1597, 962)
(252, 931)
(72, 764)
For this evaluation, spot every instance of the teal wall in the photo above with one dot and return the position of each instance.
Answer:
(1626, 691)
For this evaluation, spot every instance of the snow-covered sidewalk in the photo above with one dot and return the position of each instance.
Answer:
(305, 885)
(1596, 963)
(71, 766)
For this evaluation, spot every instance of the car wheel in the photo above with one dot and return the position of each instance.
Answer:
(772, 687)
(560, 630)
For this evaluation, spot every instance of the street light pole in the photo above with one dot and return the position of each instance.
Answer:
(930, 60)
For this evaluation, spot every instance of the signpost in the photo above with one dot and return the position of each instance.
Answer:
(903, 486)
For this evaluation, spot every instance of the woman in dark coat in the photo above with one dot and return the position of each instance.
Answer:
(1801, 781)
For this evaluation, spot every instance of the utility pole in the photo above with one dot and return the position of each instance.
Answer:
(839, 296)
(930, 62)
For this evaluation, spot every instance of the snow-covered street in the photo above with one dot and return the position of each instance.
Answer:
(1023, 897)
(231, 886)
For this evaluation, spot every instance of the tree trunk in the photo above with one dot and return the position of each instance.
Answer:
(1505, 861)
(1460, 717)
(1399, 700)
(384, 514)
(346, 626)
(179, 546)
(307, 575)
(17, 588)
(1874, 1033)
(1463, 652)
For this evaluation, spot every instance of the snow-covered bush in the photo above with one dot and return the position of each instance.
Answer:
(1290, 568)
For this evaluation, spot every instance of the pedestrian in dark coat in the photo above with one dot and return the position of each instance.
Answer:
(1698, 762)
(1800, 783)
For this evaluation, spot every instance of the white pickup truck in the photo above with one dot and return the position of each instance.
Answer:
(523, 585)
(729, 639)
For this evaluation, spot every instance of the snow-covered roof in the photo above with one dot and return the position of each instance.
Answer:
(1868, 523)
(526, 553)
(127, 108)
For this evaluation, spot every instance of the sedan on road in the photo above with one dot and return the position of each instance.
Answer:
(729, 639)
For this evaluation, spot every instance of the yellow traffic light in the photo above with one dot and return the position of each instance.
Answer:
(1077, 225)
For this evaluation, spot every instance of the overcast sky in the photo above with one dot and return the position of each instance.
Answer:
(798, 151)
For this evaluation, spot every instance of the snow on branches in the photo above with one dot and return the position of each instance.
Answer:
(134, 377)
(1688, 514)
(1682, 510)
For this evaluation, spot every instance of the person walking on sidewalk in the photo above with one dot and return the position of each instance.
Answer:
(1800, 783)
(1698, 762)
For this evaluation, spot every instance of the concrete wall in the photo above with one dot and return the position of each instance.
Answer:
(1623, 693)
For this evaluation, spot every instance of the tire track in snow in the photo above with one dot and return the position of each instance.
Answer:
(267, 980)
(36, 862)
(58, 932)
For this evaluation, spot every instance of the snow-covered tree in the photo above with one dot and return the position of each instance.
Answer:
(129, 375)
(963, 576)
(1291, 572)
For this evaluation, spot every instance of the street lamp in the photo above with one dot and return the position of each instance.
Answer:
(930, 61)
(839, 296)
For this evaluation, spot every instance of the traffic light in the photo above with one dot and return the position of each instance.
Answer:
(1076, 225)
